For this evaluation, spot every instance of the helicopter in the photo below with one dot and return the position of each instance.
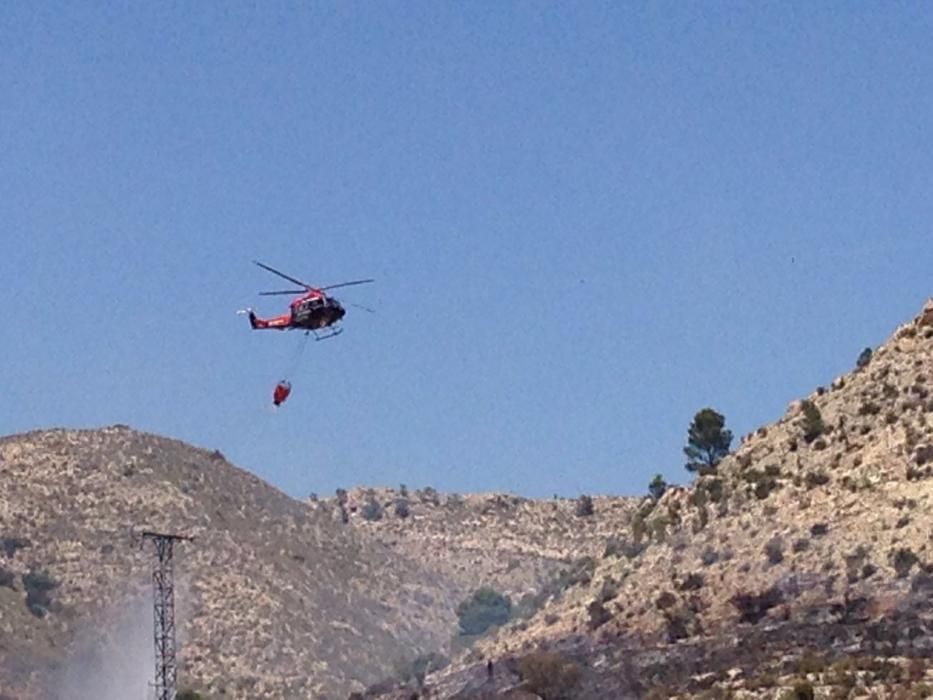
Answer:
(311, 312)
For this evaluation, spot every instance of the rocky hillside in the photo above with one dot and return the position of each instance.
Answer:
(804, 559)
(275, 600)
(801, 566)
(515, 545)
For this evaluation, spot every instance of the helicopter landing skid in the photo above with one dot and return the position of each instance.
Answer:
(331, 334)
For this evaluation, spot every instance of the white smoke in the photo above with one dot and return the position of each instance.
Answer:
(113, 653)
(112, 657)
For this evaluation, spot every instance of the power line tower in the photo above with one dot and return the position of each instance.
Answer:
(163, 594)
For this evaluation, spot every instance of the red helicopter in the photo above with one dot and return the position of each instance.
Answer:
(311, 312)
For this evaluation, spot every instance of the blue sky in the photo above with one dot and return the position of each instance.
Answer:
(587, 221)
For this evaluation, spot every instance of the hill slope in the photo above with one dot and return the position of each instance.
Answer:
(817, 528)
(516, 545)
(274, 599)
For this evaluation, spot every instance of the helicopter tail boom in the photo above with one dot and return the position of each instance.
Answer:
(277, 322)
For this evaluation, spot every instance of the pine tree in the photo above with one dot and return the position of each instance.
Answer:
(657, 487)
(707, 440)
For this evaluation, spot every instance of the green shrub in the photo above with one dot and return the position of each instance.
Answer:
(402, 509)
(903, 560)
(598, 613)
(692, 582)
(811, 662)
(763, 489)
(372, 511)
(813, 425)
(584, 506)
(484, 609)
(189, 695)
(10, 545)
(802, 690)
(38, 585)
(430, 496)
(417, 669)
(774, 549)
(863, 359)
(657, 487)
(819, 529)
(659, 527)
(752, 607)
(709, 556)
(814, 479)
(665, 600)
(712, 488)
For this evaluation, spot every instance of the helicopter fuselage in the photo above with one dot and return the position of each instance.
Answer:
(310, 312)
(315, 311)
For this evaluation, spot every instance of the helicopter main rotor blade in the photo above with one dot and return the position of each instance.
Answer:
(284, 291)
(346, 284)
(283, 275)
(359, 306)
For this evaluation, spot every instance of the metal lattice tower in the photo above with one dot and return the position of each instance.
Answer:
(163, 594)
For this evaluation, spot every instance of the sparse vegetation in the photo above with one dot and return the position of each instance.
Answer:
(680, 623)
(515, 544)
(658, 527)
(622, 546)
(708, 441)
(639, 529)
(752, 607)
(549, 675)
(10, 545)
(811, 662)
(415, 670)
(763, 482)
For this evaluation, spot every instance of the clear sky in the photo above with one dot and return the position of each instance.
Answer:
(587, 221)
